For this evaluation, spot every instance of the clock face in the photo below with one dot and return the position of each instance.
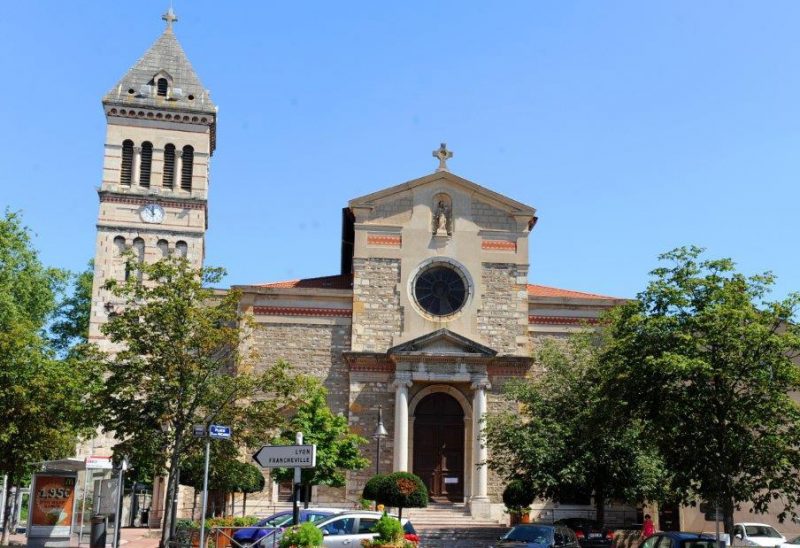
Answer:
(152, 213)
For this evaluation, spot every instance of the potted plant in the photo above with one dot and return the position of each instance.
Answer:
(305, 535)
(390, 534)
(518, 497)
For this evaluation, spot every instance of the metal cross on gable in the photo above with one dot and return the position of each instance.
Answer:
(443, 155)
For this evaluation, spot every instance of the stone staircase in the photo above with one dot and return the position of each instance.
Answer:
(449, 525)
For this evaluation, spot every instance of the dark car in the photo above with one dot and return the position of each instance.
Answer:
(590, 533)
(678, 539)
(251, 535)
(537, 535)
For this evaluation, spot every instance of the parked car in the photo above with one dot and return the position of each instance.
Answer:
(756, 534)
(679, 539)
(250, 535)
(538, 535)
(590, 533)
(791, 543)
(348, 529)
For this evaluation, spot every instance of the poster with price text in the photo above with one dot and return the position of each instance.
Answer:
(53, 500)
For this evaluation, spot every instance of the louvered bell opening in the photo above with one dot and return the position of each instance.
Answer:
(161, 87)
(169, 166)
(186, 171)
(146, 165)
(126, 170)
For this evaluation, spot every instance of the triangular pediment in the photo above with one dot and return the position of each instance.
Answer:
(442, 343)
(505, 203)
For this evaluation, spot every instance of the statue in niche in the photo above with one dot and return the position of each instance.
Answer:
(441, 219)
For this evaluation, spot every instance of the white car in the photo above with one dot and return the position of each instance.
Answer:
(792, 543)
(756, 534)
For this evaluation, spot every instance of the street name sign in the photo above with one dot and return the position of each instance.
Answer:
(199, 430)
(98, 463)
(219, 431)
(287, 456)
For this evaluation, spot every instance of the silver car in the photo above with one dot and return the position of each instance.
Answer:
(348, 529)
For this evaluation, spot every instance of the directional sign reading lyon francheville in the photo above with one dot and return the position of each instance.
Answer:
(287, 456)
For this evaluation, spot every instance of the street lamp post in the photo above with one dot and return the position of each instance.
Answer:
(380, 433)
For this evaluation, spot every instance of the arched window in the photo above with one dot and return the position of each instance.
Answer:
(186, 171)
(126, 169)
(146, 165)
(163, 247)
(181, 249)
(161, 87)
(169, 166)
(119, 249)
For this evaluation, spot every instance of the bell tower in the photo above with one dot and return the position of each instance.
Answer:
(160, 135)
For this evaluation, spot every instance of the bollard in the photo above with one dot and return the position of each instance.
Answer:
(97, 537)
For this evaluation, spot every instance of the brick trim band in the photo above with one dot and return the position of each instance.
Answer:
(302, 311)
(384, 240)
(560, 320)
(499, 245)
(136, 200)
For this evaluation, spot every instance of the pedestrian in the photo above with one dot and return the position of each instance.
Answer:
(648, 527)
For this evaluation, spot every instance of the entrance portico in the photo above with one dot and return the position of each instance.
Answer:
(439, 384)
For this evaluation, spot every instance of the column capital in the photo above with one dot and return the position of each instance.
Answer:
(481, 383)
(402, 380)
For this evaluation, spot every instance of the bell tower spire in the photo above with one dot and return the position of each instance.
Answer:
(160, 135)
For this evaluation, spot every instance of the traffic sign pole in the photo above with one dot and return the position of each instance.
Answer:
(205, 494)
(298, 478)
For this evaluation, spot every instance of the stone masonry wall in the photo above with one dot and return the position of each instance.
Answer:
(312, 349)
(502, 318)
(487, 216)
(377, 314)
(395, 211)
(367, 392)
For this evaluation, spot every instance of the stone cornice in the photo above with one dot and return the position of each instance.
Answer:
(306, 311)
(173, 114)
(561, 320)
(110, 196)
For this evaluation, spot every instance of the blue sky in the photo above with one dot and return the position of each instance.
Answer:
(633, 127)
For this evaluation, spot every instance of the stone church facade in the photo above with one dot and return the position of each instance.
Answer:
(428, 316)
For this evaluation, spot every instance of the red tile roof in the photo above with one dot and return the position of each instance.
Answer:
(545, 291)
(341, 281)
(345, 281)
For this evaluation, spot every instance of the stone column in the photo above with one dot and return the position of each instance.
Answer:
(137, 165)
(479, 502)
(401, 386)
(176, 179)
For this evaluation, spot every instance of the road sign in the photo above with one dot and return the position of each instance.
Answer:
(218, 431)
(199, 430)
(287, 456)
(98, 463)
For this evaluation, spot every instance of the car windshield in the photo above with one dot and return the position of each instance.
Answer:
(536, 535)
(761, 531)
(279, 521)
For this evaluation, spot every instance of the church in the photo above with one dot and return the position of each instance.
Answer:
(429, 314)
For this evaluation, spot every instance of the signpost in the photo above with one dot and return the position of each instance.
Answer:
(296, 456)
(219, 432)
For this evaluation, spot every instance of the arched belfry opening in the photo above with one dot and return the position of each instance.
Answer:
(439, 446)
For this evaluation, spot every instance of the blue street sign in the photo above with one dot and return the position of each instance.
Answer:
(218, 431)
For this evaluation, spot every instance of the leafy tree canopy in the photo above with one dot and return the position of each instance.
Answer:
(563, 436)
(182, 358)
(706, 360)
(71, 326)
(337, 447)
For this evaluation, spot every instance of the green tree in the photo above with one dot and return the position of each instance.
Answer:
(705, 359)
(71, 326)
(401, 490)
(42, 399)
(337, 447)
(563, 436)
(182, 358)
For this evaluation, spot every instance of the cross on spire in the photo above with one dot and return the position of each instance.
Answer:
(170, 17)
(443, 155)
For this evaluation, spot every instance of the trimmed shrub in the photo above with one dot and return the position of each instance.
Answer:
(402, 490)
(517, 495)
(372, 487)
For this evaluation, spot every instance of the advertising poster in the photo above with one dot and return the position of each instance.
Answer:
(53, 500)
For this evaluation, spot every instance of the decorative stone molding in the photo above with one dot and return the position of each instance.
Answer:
(561, 320)
(302, 311)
